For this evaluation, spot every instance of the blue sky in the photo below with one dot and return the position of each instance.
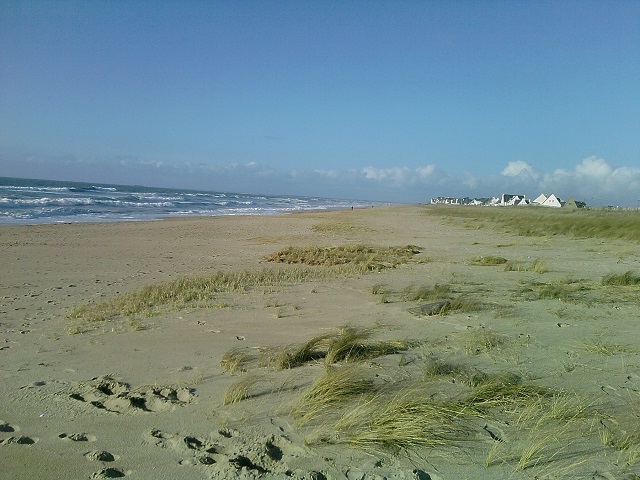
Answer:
(379, 100)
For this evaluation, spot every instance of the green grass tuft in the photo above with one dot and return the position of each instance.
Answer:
(623, 279)
(335, 387)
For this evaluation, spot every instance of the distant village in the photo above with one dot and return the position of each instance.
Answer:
(506, 199)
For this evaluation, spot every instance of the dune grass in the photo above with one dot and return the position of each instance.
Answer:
(236, 360)
(427, 293)
(440, 297)
(451, 406)
(340, 227)
(282, 358)
(566, 290)
(483, 341)
(488, 260)
(204, 291)
(336, 386)
(542, 222)
(241, 390)
(346, 344)
(405, 421)
(196, 291)
(537, 266)
(363, 256)
(622, 279)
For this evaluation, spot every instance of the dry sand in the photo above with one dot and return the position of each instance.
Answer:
(143, 398)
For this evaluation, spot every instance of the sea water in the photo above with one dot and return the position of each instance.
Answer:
(26, 201)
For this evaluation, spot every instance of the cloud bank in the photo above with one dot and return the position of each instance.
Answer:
(593, 180)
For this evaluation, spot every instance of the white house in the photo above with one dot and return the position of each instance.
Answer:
(540, 199)
(509, 199)
(552, 201)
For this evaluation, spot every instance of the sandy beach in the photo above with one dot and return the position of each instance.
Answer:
(146, 395)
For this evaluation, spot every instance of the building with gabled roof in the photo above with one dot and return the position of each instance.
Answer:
(539, 200)
(552, 201)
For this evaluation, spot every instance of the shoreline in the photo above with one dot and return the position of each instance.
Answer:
(198, 216)
(150, 390)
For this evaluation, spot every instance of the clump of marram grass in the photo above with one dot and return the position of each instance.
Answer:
(236, 360)
(363, 256)
(458, 372)
(405, 421)
(622, 279)
(427, 293)
(441, 299)
(565, 290)
(544, 433)
(337, 386)
(347, 344)
(488, 260)
(241, 390)
(505, 390)
(537, 266)
(483, 341)
(282, 358)
(201, 291)
(622, 431)
(354, 344)
(607, 349)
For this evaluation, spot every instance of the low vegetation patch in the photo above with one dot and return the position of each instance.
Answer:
(565, 290)
(622, 279)
(451, 405)
(488, 260)
(337, 386)
(364, 256)
(241, 390)
(347, 344)
(340, 228)
(236, 360)
(440, 297)
(205, 291)
(544, 222)
(537, 266)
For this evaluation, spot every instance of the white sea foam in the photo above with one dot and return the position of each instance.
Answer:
(26, 201)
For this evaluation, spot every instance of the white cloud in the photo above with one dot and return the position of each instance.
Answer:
(594, 167)
(593, 179)
(519, 168)
(401, 176)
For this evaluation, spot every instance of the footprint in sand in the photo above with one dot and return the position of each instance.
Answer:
(109, 473)
(14, 440)
(111, 395)
(226, 453)
(77, 437)
(100, 456)
(5, 427)
(22, 440)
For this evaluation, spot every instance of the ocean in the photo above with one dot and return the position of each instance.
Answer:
(26, 202)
